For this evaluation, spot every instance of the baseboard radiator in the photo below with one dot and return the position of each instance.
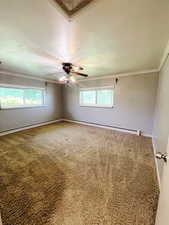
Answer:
(126, 130)
(28, 127)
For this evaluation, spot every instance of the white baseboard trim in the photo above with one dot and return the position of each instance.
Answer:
(137, 132)
(29, 127)
(74, 121)
(156, 164)
(0, 220)
(146, 135)
(102, 126)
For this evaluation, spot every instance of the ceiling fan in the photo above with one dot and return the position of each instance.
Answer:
(69, 70)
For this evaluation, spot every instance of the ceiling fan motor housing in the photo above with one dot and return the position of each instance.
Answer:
(70, 68)
(67, 67)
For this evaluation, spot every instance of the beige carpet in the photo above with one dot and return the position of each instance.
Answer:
(69, 174)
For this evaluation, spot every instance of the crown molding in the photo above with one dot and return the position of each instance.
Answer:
(164, 57)
(27, 76)
(117, 75)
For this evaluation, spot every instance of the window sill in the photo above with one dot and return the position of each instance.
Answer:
(98, 106)
(23, 107)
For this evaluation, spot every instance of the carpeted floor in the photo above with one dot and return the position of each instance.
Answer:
(69, 174)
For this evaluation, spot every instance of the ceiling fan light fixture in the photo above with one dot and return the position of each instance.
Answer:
(72, 79)
(63, 79)
(76, 68)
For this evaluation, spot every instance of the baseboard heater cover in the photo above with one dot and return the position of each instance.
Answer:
(28, 127)
(132, 131)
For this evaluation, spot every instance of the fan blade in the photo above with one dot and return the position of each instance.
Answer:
(76, 67)
(81, 74)
(46, 55)
(56, 73)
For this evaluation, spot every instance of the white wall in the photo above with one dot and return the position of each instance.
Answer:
(161, 121)
(17, 118)
(134, 103)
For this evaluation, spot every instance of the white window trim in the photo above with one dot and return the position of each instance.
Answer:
(24, 105)
(95, 89)
(96, 105)
(20, 86)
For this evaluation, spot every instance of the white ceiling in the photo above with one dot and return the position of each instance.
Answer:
(106, 37)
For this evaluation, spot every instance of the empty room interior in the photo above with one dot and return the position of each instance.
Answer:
(84, 112)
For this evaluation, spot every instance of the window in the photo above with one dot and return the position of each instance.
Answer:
(99, 97)
(11, 97)
(87, 97)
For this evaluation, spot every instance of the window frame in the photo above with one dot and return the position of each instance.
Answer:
(24, 88)
(96, 89)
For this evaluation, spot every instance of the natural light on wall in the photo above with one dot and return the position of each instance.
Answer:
(11, 97)
(98, 97)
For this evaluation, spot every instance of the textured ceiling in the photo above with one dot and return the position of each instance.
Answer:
(72, 6)
(106, 37)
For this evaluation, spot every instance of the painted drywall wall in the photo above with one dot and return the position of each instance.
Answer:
(161, 121)
(17, 118)
(134, 100)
